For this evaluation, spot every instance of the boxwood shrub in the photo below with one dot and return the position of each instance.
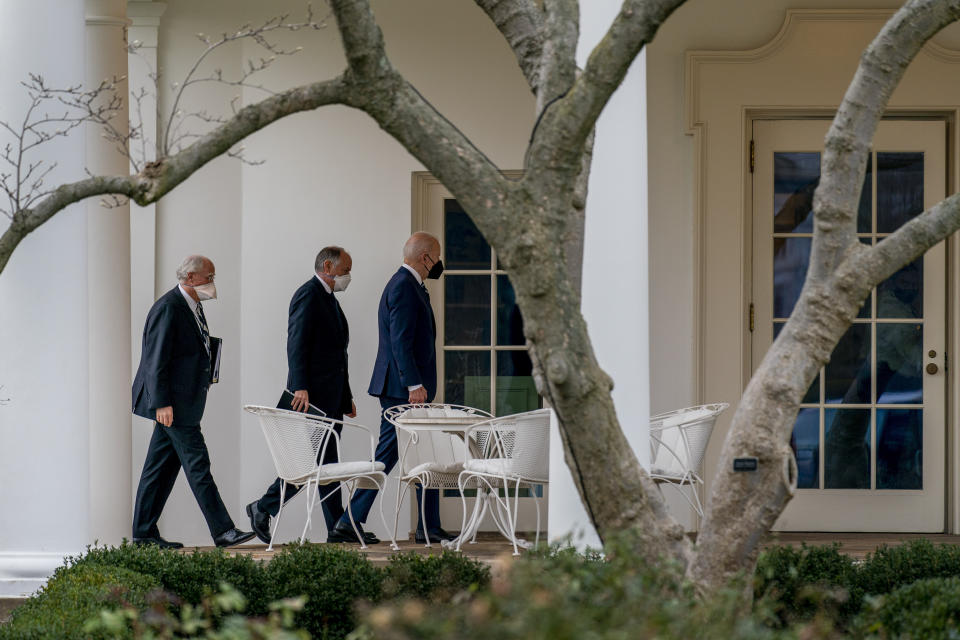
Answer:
(71, 597)
(332, 579)
(924, 610)
(435, 578)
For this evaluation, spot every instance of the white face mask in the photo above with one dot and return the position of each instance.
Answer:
(206, 291)
(340, 282)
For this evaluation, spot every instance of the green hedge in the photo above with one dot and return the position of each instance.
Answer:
(74, 595)
(928, 609)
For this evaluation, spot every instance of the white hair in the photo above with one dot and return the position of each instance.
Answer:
(190, 264)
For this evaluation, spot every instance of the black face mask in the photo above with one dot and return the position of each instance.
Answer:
(435, 270)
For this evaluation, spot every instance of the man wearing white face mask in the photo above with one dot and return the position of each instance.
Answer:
(171, 389)
(317, 339)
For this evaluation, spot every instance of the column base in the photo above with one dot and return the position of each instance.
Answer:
(21, 574)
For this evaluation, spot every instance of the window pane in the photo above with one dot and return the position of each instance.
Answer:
(901, 295)
(805, 443)
(509, 321)
(848, 371)
(795, 178)
(899, 362)
(846, 458)
(466, 310)
(464, 245)
(899, 189)
(867, 309)
(791, 257)
(467, 378)
(899, 449)
(812, 396)
(516, 391)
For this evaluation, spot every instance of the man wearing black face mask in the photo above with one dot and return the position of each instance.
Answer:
(405, 371)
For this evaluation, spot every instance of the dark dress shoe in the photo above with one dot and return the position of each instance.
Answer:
(232, 537)
(436, 535)
(259, 521)
(160, 542)
(344, 533)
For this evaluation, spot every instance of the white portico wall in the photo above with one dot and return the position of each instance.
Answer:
(63, 436)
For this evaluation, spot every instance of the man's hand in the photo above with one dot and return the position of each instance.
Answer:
(165, 416)
(301, 400)
(418, 395)
(353, 410)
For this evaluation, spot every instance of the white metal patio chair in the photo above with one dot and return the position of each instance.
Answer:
(516, 454)
(431, 446)
(297, 441)
(678, 441)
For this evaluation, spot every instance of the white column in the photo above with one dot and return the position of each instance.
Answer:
(615, 273)
(144, 18)
(44, 347)
(108, 290)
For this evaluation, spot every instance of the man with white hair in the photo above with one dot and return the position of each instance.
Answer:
(170, 388)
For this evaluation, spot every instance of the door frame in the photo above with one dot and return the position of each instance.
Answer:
(724, 92)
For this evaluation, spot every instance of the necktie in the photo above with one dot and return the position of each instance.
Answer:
(204, 330)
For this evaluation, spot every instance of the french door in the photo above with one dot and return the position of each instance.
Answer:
(869, 439)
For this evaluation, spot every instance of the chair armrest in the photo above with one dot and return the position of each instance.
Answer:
(362, 427)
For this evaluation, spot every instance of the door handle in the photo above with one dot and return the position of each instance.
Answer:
(932, 368)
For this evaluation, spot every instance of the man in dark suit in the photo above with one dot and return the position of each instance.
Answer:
(405, 370)
(317, 339)
(171, 388)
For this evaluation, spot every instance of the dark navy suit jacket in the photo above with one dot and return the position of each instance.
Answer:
(174, 364)
(317, 339)
(407, 354)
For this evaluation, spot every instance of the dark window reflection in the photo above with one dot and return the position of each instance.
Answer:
(805, 443)
(867, 308)
(899, 361)
(812, 396)
(516, 390)
(466, 318)
(848, 371)
(899, 449)
(509, 322)
(467, 378)
(846, 452)
(791, 257)
(795, 178)
(899, 188)
(901, 295)
(464, 245)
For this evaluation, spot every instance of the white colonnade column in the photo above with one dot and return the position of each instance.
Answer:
(144, 29)
(615, 270)
(64, 313)
(108, 289)
(43, 321)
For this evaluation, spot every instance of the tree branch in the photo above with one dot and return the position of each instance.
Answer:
(378, 89)
(522, 23)
(848, 140)
(157, 179)
(567, 123)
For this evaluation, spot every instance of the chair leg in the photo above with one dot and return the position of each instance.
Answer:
(396, 515)
(513, 516)
(276, 521)
(311, 500)
(423, 511)
(353, 523)
(386, 527)
(463, 501)
(536, 502)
